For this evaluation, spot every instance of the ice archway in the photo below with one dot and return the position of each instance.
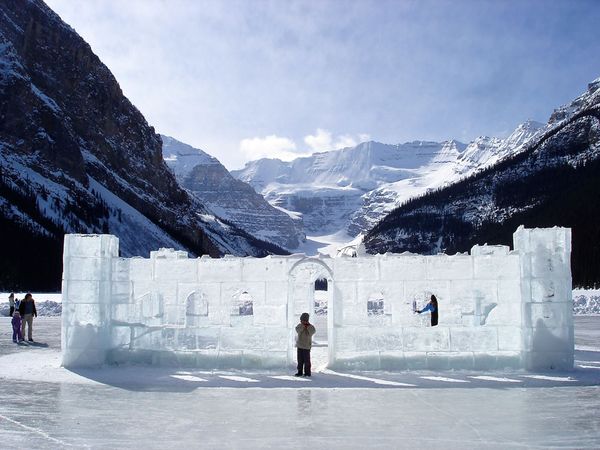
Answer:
(302, 277)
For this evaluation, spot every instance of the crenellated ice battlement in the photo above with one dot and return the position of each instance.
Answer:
(497, 308)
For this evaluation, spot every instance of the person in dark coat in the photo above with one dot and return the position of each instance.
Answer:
(28, 312)
(11, 304)
(433, 307)
(305, 333)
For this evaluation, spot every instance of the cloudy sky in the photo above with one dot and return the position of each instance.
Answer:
(254, 78)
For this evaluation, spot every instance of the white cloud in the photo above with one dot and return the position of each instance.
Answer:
(320, 141)
(344, 141)
(283, 148)
(269, 147)
(323, 140)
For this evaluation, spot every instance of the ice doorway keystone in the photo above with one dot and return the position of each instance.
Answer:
(311, 289)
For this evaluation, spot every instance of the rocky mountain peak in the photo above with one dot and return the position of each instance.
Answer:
(587, 100)
(228, 198)
(594, 86)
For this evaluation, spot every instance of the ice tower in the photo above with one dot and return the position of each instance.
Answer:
(546, 295)
(87, 290)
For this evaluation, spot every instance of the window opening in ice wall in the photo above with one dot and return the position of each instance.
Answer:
(320, 349)
(378, 309)
(196, 309)
(321, 297)
(242, 309)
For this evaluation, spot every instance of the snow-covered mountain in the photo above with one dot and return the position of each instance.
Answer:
(230, 199)
(77, 157)
(451, 163)
(353, 188)
(553, 179)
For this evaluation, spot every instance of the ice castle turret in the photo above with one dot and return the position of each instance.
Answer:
(546, 295)
(87, 289)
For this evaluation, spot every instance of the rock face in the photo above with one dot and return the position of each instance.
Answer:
(77, 156)
(553, 180)
(230, 199)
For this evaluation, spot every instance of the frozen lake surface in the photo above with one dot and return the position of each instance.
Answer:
(45, 406)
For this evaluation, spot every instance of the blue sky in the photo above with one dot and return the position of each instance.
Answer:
(249, 79)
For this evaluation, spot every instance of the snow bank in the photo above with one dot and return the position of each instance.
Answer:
(44, 308)
(586, 301)
(46, 304)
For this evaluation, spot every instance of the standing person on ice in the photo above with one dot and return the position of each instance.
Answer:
(11, 303)
(433, 307)
(16, 325)
(305, 333)
(28, 312)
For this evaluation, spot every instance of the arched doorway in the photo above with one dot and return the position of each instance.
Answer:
(310, 290)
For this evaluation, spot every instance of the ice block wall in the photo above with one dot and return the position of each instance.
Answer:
(480, 318)
(204, 312)
(546, 292)
(497, 308)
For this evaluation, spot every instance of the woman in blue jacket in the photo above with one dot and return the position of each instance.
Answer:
(433, 307)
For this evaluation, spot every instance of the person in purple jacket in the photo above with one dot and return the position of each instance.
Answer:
(16, 325)
(433, 307)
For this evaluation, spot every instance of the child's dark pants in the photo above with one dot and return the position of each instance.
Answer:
(304, 361)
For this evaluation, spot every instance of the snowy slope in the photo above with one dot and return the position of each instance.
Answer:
(182, 158)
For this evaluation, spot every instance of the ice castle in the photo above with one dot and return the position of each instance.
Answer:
(497, 308)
